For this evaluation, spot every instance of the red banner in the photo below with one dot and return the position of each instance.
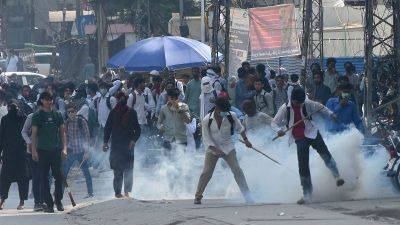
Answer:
(273, 32)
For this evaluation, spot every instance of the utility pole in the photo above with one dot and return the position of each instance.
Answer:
(102, 43)
(181, 13)
(378, 44)
(221, 11)
(313, 33)
(202, 21)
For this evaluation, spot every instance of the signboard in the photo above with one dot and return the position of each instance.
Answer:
(82, 21)
(273, 32)
(239, 38)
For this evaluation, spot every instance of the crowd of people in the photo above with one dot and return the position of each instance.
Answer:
(44, 130)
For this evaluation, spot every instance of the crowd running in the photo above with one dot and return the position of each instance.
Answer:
(47, 128)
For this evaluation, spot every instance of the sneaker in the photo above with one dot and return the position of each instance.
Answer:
(60, 207)
(304, 200)
(47, 209)
(197, 201)
(119, 196)
(38, 208)
(89, 196)
(339, 182)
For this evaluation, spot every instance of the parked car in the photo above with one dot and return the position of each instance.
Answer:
(43, 61)
(25, 78)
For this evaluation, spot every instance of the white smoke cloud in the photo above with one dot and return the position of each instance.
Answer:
(177, 177)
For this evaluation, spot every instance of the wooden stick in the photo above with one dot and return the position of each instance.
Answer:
(262, 153)
(298, 122)
(71, 198)
(273, 160)
(67, 188)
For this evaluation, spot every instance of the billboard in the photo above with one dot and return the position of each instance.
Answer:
(273, 32)
(239, 38)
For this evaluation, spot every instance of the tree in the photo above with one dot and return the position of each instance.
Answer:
(131, 11)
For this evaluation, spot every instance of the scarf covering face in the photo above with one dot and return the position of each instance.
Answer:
(206, 85)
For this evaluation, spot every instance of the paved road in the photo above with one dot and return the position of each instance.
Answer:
(130, 211)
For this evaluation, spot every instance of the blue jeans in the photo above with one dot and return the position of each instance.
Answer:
(85, 169)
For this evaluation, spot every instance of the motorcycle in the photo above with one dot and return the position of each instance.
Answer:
(392, 167)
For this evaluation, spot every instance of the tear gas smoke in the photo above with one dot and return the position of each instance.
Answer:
(177, 177)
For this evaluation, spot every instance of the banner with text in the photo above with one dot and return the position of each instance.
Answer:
(273, 32)
(239, 39)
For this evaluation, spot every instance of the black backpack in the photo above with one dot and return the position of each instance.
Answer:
(230, 119)
(303, 109)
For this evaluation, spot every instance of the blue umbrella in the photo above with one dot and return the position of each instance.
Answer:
(158, 53)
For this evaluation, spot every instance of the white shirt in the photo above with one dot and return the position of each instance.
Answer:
(311, 130)
(220, 138)
(12, 64)
(27, 129)
(84, 112)
(141, 107)
(102, 108)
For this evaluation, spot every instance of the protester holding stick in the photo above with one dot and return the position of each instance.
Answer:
(49, 146)
(78, 139)
(218, 128)
(305, 134)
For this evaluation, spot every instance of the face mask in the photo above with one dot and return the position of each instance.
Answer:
(223, 114)
(103, 92)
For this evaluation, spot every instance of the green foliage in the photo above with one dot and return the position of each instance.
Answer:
(160, 11)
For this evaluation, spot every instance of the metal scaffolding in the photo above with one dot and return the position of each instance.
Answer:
(220, 26)
(379, 43)
(313, 33)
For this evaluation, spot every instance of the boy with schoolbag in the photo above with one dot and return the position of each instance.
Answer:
(263, 99)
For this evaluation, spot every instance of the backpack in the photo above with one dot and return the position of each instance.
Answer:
(303, 109)
(146, 98)
(274, 97)
(92, 122)
(108, 102)
(230, 119)
(264, 100)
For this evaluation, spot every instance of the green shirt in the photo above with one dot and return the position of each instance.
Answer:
(48, 130)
